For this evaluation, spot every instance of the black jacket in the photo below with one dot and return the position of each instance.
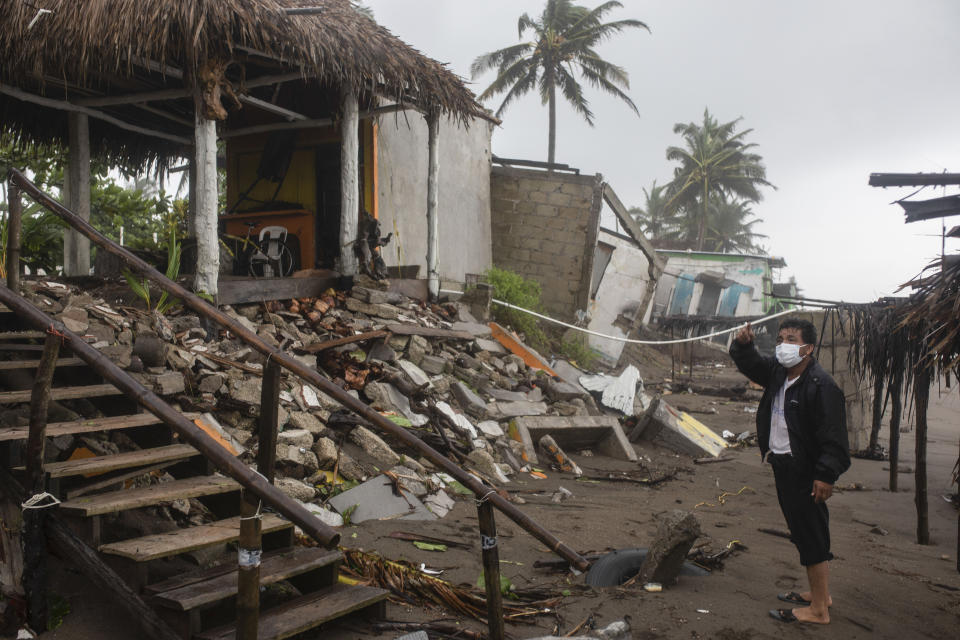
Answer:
(814, 410)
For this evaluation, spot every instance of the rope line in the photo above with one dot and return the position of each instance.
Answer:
(632, 340)
(34, 501)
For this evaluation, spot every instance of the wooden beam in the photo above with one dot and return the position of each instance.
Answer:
(263, 105)
(205, 218)
(249, 549)
(317, 347)
(433, 191)
(349, 181)
(240, 290)
(632, 226)
(269, 420)
(62, 105)
(14, 226)
(136, 98)
(491, 569)
(280, 78)
(313, 123)
(35, 544)
(76, 248)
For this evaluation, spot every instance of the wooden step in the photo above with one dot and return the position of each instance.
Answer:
(91, 425)
(306, 612)
(145, 496)
(6, 365)
(63, 393)
(126, 460)
(21, 335)
(274, 568)
(163, 545)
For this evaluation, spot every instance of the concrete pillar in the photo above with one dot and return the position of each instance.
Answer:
(76, 248)
(349, 181)
(206, 210)
(433, 189)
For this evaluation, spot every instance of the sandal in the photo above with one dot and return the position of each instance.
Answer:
(793, 598)
(783, 615)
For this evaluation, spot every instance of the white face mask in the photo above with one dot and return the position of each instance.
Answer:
(789, 354)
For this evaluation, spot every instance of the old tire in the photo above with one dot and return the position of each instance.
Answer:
(616, 567)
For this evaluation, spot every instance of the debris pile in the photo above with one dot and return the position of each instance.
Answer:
(473, 391)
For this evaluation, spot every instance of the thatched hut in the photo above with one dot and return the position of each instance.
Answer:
(290, 86)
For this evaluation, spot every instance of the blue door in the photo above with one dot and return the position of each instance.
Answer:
(728, 303)
(682, 293)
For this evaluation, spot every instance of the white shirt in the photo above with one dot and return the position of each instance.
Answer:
(779, 437)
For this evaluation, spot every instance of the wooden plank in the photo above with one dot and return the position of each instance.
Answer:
(238, 291)
(115, 479)
(21, 347)
(74, 427)
(146, 496)
(63, 393)
(491, 569)
(273, 569)
(103, 464)
(162, 545)
(21, 335)
(14, 226)
(306, 612)
(317, 347)
(269, 424)
(32, 364)
(427, 332)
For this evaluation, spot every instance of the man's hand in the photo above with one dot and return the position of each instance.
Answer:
(821, 491)
(745, 335)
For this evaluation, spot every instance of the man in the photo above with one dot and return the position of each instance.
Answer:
(802, 432)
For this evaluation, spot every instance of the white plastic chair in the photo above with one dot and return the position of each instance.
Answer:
(272, 242)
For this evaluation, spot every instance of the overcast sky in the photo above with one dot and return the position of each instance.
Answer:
(833, 90)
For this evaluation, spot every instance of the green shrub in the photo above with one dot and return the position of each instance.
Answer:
(513, 288)
(578, 352)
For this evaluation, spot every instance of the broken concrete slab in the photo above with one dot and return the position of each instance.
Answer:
(561, 391)
(374, 446)
(417, 348)
(327, 516)
(296, 489)
(507, 410)
(677, 430)
(505, 396)
(491, 346)
(460, 421)
(385, 311)
(434, 365)
(490, 428)
(385, 397)
(414, 373)
(475, 329)
(439, 503)
(676, 534)
(375, 500)
(485, 464)
(468, 400)
(602, 434)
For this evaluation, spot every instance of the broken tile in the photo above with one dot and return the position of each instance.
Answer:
(375, 499)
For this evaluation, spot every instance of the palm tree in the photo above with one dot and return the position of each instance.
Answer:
(662, 226)
(715, 160)
(730, 229)
(565, 35)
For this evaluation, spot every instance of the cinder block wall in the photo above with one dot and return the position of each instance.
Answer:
(545, 227)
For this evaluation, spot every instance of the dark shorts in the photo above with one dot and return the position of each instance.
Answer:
(808, 521)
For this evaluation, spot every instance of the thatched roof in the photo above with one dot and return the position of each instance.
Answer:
(113, 47)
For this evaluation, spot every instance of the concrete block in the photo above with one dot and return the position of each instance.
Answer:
(468, 400)
(602, 434)
(507, 410)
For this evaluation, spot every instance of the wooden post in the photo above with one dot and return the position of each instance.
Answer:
(34, 539)
(205, 222)
(13, 236)
(269, 405)
(349, 181)
(921, 392)
(433, 190)
(76, 248)
(491, 568)
(896, 410)
(248, 568)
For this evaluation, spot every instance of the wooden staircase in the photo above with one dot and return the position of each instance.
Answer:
(195, 604)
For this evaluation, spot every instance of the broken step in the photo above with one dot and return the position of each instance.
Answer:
(219, 584)
(63, 393)
(163, 545)
(307, 612)
(113, 462)
(32, 364)
(124, 499)
(91, 425)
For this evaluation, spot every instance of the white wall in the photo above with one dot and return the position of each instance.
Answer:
(621, 291)
(749, 271)
(464, 199)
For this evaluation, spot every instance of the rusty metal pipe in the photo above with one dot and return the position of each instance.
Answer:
(308, 374)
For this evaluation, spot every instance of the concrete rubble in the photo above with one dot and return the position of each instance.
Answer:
(457, 386)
